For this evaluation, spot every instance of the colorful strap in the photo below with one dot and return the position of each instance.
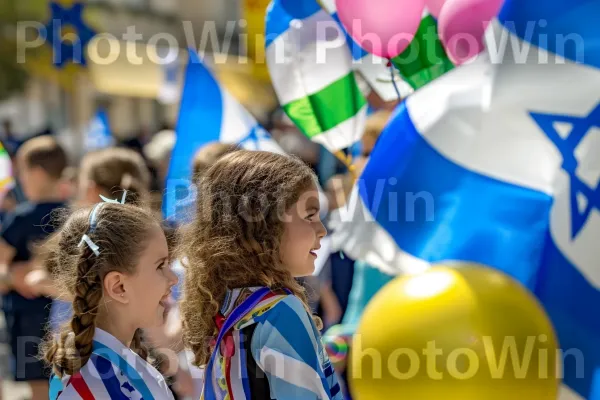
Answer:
(234, 317)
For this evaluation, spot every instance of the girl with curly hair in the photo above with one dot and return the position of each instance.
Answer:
(245, 317)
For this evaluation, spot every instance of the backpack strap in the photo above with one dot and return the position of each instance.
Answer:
(234, 317)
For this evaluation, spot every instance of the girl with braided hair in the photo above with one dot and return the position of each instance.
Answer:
(113, 261)
(245, 317)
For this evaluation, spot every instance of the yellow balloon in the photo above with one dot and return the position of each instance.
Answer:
(460, 331)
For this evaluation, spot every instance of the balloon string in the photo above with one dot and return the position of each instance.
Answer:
(347, 161)
(394, 80)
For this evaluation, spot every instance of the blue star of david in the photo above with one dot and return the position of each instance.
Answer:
(581, 126)
(254, 136)
(64, 52)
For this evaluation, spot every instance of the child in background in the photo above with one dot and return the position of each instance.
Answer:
(104, 171)
(41, 162)
(158, 154)
(256, 229)
(208, 155)
(113, 260)
(68, 183)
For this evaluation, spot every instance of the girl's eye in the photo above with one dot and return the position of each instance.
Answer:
(310, 217)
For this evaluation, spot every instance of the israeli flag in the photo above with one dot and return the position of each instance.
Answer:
(498, 162)
(97, 135)
(207, 114)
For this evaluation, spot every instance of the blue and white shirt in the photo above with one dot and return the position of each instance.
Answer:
(114, 371)
(273, 351)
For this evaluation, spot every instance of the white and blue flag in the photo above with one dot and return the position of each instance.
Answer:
(97, 135)
(208, 113)
(498, 162)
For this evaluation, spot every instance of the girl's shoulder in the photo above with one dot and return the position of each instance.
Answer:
(274, 306)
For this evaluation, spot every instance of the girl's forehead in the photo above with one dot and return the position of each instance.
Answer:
(310, 196)
(155, 249)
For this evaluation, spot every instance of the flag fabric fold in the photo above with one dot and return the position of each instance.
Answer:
(98, 135)
(312, 73)
(208, 113)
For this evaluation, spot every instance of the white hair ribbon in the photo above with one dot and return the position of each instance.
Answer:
(86, 240)
(107, 200)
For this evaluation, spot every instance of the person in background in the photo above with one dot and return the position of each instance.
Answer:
(68, 183)
(158, 154)
(41, 162)
(207, 155)
(8, 204)
(101, 172)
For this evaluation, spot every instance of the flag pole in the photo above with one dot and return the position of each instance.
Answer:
(347, 161)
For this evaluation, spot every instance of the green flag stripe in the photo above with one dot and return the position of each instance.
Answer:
(327, 108)
(425, 58)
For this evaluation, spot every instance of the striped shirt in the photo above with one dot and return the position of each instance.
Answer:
(113, 371)
(273, 351)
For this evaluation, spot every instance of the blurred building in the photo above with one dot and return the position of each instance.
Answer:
(65, 99)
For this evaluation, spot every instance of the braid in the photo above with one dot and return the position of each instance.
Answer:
(58, 355)
(73, 348)
(138, 345)
(88, 293)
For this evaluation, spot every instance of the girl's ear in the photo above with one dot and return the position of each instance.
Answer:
(114, 287)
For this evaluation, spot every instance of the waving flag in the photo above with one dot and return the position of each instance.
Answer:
(499, 163)
(317, 89)
(98, 134)
(169, 88)
(207, 114)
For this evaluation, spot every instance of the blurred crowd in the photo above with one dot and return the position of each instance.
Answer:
(51, 179)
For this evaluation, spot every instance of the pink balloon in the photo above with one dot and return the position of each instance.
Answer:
(462, 25)
(434, 7)
(382, 27)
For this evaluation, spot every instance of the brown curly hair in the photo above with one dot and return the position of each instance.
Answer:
(234, 240)
(121, 232)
